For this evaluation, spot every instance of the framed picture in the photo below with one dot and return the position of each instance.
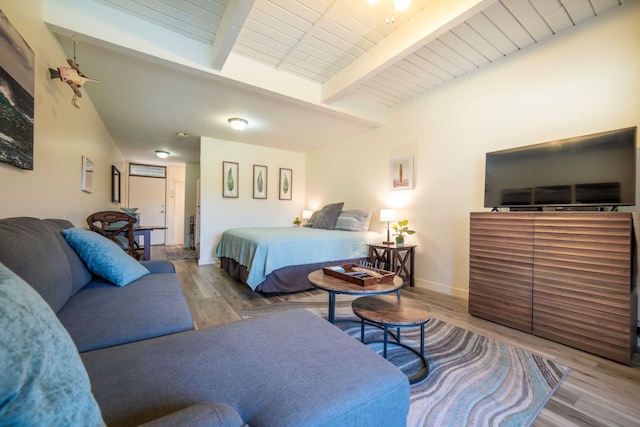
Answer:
(17, 78)
(115, 185)
(229, 179)
(401, 173)
(286, 184)
(87, 175)
(259, 182)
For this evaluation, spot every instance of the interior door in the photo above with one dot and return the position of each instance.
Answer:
(149, 196)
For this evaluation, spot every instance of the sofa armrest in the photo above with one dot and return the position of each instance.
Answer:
(208, 414)
(159, 266)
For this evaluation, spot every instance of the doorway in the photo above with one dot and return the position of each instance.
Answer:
(148, 194)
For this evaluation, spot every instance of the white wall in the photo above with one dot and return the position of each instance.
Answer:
(581, 81)
(62, 135)
(218, 213)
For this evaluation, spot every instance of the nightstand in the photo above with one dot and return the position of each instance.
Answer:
(397, 259)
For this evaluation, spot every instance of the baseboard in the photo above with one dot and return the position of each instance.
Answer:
(443, 289)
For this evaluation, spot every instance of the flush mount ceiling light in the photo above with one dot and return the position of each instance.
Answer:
(181, 135)
(162, 154)
(396, 5)
(237, 123)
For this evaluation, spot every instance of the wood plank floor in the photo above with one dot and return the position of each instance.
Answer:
(597, 392)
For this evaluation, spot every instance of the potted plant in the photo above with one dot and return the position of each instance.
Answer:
(401, 228)
(297, 221)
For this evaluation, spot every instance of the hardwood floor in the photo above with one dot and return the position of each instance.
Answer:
(597, 392)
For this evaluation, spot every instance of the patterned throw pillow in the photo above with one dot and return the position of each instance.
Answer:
(42, 379)
(353, 220)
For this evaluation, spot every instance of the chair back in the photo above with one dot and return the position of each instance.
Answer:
(118, 227)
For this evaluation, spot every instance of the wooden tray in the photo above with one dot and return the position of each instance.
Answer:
(365, 280)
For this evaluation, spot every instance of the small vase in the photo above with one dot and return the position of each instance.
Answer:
(399, 240)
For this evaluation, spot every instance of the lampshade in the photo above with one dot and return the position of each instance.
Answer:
(306, 214)
(387, 215)
(237, 123)
(162, 154)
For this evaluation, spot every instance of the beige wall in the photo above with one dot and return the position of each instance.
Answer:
(581, 81)
(63, 134)
(220, 213)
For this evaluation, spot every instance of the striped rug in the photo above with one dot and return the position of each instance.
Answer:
(473, 380)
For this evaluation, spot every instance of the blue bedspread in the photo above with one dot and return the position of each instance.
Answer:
(263, 250)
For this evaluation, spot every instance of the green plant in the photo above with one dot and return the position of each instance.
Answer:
(297, 221)
(401, 228)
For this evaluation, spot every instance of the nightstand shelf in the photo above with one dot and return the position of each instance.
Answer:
(398, 259)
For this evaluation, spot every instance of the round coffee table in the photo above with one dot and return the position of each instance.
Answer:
(334, 286)
(393, 311)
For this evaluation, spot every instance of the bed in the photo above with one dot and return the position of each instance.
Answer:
(279, 259)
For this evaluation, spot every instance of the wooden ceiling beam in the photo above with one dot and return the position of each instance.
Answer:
(437, 18)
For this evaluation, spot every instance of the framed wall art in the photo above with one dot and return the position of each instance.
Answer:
(229, 179)
(17, 81)
(86, 183)
(259, 182)
(401, 173)
(115, 185)
(286, 184)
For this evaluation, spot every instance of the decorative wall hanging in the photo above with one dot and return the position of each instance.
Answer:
(115, 184)
(229, 179)
(259, 182)
(17, 82)
(286, 184)
(72, 76)
(87, 175)
(401, 173)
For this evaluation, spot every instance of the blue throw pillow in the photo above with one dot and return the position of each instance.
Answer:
(103, 257)
(42, 379)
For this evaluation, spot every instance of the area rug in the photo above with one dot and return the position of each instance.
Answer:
(186, 254)
(473, 380)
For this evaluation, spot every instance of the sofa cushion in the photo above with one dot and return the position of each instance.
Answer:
(103, 315)
(42, 379)
(200, 415)
(291, 368)
(80, 276)
(31, 250)
(104, 257)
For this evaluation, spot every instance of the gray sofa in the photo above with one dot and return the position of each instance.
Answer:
(144, 363)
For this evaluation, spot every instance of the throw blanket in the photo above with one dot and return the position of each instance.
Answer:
(263, 250)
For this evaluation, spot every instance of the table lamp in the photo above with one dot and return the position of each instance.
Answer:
(306, 214)
(387, 215)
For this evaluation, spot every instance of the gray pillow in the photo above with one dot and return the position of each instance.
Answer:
(353, 220)
(311, 220)
(328, 216)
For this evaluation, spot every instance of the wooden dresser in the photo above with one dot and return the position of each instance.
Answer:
(564, 276)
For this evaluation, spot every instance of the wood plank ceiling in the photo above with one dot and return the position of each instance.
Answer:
(317, 39)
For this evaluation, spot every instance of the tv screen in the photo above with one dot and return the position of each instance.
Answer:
(591, 170)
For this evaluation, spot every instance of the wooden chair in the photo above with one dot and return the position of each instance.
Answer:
(117, 226)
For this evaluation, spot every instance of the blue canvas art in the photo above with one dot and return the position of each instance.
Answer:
(16, 97)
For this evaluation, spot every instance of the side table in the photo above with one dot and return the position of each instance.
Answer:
(399, 259)
(389, 311)
(334, 286)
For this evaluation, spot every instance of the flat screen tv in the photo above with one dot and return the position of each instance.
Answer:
(596, 170)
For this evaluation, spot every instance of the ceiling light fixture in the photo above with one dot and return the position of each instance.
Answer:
(162, 154)
(181, 135)
(396, 5)
(237, 123)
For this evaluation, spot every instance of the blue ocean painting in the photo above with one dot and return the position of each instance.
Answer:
(16, 97)
(16, 123)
